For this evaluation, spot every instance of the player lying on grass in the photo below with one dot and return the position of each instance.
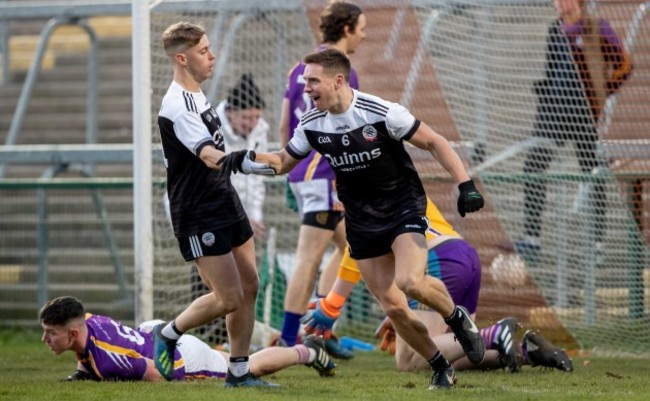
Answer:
(456, 263)
(109, 350)
(533, 350)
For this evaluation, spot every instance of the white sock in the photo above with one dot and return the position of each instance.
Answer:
(170, 331)
(238, 366)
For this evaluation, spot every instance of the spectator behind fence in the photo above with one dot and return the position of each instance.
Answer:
(244, 127)
(585, 63)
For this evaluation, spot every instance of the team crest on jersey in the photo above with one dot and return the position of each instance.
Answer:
(208, 239)
(369, 133)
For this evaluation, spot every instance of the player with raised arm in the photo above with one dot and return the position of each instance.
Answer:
(362, 137)
(312, 180)
(108, 350)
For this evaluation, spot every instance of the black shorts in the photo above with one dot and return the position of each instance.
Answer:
(326, 219)
(365, 245)
(215, 242)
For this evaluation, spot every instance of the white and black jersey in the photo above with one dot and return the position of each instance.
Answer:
(200, 198)
(375, 177)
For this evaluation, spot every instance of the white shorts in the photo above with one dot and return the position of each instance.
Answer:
(318, 195)
(201, 360)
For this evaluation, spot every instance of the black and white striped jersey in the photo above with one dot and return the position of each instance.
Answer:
(375, 177)
(200, 198)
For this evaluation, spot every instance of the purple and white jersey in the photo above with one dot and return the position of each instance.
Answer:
(375, 177)
(117, 352)
(313, 166)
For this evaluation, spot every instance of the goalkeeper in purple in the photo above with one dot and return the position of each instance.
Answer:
(108, 350)
(362, 137)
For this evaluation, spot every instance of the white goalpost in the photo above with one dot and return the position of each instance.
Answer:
(142, 162)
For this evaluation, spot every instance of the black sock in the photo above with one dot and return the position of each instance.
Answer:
(180, 333)
(455, 319)
(438, 362)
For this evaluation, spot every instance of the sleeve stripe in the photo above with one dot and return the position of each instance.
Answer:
(312, 118)
(189, 102)
(310, 112)
(369, 103)
(202, 144)
(412, 131)
(371, 109)
(292, 152)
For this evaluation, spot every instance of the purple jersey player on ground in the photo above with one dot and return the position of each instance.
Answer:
(108, 350)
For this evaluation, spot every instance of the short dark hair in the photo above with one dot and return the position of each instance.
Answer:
(332, 61)
(181, 36)
(335, 17)
(61, 310)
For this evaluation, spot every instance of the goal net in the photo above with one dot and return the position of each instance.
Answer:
(470, 70)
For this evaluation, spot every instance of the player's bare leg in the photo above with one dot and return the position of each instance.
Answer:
(240, 322)
(221, 275)
(330, 272)
(377, 273)
(312, 243)
(410, 252)
(312, 353)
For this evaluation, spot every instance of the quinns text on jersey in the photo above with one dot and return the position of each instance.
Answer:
(353, 160)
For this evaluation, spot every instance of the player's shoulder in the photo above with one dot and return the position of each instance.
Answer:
(298, 68)
(177, 100)
(312, 117)
(373, 103)
(100, 324)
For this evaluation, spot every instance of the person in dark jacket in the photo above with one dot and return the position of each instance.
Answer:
(585, 63)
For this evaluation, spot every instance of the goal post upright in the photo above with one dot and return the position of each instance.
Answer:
(142, 161)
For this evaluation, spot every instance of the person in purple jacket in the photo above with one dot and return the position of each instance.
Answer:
(312, 181)
(108, 350)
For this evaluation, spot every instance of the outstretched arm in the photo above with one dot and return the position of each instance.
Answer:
(469, 200)
(250, 162)
(279, 161)
(427, 139)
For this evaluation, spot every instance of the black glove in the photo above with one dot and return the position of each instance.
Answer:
(80, 375)
(232, 161)
(469, 199)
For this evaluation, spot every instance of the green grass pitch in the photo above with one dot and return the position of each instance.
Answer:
(28, 371)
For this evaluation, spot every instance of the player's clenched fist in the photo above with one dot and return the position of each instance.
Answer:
(470, 199)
